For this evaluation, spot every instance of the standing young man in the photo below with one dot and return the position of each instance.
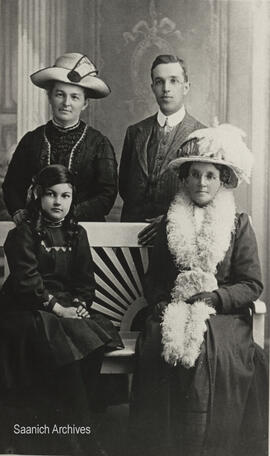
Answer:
(146, 185)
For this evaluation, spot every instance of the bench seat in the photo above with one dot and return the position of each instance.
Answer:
(121, 361)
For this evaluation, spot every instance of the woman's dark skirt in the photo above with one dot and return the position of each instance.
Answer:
(217, 408)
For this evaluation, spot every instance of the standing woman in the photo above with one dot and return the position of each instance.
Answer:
(201, 384)
(66, 140)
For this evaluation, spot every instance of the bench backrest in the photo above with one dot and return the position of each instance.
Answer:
(119, 265)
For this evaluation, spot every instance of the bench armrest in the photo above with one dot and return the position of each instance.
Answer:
(259, 307)
(258, 319)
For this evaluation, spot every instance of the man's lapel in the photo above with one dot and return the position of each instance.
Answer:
(141, 141)
(183, 130)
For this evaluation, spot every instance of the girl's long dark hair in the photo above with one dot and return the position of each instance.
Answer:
(47, 177)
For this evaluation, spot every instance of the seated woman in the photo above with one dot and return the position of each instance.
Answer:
(200, 386)
(51, 342)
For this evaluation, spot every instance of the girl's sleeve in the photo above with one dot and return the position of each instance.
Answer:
(245, 278)
(83, 283)
(26, 281)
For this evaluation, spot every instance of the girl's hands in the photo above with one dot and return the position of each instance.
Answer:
(82, 312)
(81, 308)
(70, 312)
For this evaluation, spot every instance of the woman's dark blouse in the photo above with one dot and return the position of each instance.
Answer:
(38, 269)
(93, 165)
(238, 275)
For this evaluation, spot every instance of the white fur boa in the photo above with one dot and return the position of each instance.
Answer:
(197, 248)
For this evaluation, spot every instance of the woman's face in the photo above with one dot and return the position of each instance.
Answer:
(56, 201)
(202, 183)
(67, 102)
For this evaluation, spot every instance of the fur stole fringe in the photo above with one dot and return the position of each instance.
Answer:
(183, 328)
(197, 249)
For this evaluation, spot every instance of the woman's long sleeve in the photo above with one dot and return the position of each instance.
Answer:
(244, 284)
(124, 168)
(19, 175)
(239, 274)
(102, 194)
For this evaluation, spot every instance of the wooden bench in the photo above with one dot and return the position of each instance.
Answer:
(120, 263)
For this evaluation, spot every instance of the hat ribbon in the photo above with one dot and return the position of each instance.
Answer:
(74, 76)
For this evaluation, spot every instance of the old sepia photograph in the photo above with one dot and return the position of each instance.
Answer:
(134, 227)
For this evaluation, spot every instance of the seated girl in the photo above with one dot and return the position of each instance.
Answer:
(201, 386)
(52, 343)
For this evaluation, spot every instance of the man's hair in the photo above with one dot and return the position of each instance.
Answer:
(169, 58)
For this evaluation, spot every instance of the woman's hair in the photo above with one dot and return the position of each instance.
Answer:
(48, 177)
(225, 172)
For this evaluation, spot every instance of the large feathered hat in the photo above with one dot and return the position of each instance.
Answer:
(221, 145)
(73, 68)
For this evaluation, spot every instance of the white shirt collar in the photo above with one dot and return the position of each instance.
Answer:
(173, 119)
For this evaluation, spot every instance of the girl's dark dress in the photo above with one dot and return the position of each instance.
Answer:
(38, 349)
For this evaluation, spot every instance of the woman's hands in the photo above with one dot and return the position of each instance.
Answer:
(211, 298)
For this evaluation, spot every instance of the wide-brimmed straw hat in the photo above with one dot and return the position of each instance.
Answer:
(73, 68)
(221, 145)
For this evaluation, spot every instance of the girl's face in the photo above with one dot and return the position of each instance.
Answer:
(67, 102)
(202, 183)
(56, 201)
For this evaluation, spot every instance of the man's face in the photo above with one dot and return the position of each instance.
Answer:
(169, 87)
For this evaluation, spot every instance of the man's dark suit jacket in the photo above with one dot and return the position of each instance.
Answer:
(144, 197)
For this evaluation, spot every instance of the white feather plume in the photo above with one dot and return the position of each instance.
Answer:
(225, 142)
